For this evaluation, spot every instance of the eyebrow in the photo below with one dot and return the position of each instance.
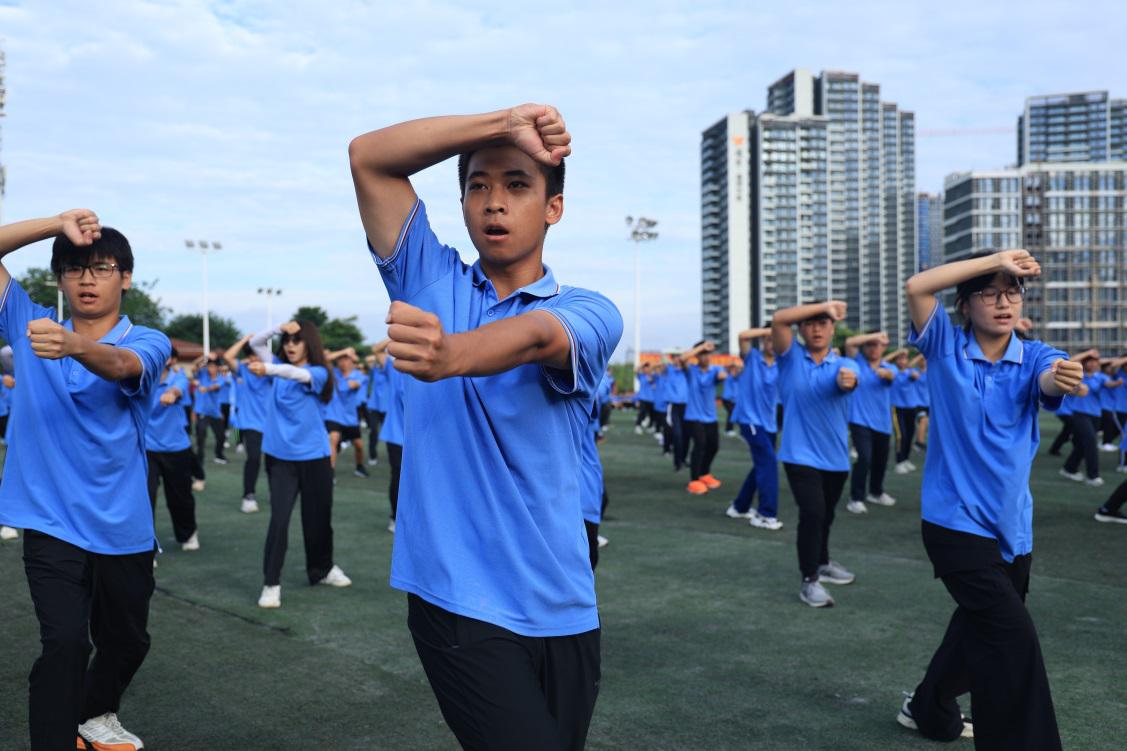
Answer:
(507, 173)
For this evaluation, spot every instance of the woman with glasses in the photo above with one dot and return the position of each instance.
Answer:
(296, 447)
(986, 385)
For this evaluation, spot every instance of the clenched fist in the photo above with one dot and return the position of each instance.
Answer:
(1067, 375)
(257, 367)
(168, 398)
(418, 343)
(846, 379)
(539, 131)
(50, 340)
(291, 328)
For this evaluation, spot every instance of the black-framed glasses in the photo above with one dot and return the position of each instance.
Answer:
(100, 270)
(989, 295)
(288, 338)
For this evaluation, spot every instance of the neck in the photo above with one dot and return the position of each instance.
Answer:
(507, 278)
(96, 328)
(818, 354)
(993, 346)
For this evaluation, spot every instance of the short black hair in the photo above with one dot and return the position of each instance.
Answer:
(553, 176)
(111, 246)
(967, 287)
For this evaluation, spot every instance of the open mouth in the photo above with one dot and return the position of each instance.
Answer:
(1004, 318)
(87, 297)
(495, 230)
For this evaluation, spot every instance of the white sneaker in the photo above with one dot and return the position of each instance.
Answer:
(249, 505)
(815, 595)
(852, 455)
(731, 513)
(1074, 476)
(603, 542)
(391, 526)
(884, 499)
(373, 462)
(905, 718)
(221, 460)
(903, 468)
(8, 533)
(271, 597)
(336, 578)
(765, 522)
(730, 433)
(911, 467)
(106, 732)
(192, 543)
(856, 507)
(240, 449)
(1109, 448)
(638, 430)
(1121, 468)
(834, 573)
(198, 486)
(1095, 482)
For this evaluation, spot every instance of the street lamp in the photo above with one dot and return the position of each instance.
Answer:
(205, 247)
(270, 293)
(641, 230)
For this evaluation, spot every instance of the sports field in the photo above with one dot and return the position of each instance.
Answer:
(705, 644)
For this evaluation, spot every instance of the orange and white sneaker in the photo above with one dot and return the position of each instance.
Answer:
(105, 733)
(710, 481)
(696, 487)
(80, 744)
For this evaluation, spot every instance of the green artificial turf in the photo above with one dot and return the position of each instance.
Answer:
(705, 644)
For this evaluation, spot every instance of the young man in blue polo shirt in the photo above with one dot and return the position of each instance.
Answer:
(75, 477)
(756, 415)
(986, 384)
(209, 413)
(490, 542)
(815, 384)
(870, 420)
(169, 452)
(700, 415)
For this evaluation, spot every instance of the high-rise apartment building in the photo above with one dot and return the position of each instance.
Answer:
(1079, 127)
(832, 206)
(929, 231)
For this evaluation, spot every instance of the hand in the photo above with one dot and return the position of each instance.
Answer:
(257, 367)
(291, 328)
(914, 376)
(1067, 375)
(354, 385)
(81, 226)
(836, 309)
(351, 352)
(50, 340)
(846, 378)
(1019, 263)
(168, 398)
(882, 339)
(708, 347)
(539, 131)
(1024, 325)
(9, 381)
(418, 343)
(886, 374)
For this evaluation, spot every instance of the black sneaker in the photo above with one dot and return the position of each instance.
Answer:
(360, 471)
(1115, 517)
(904, 717)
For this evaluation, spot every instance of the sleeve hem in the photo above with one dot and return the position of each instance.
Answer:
(550, 373)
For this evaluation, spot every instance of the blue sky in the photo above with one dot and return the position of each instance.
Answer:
(230, 120)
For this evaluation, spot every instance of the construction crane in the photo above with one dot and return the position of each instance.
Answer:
(946, 132)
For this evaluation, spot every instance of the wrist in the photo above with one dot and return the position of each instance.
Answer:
(455, 361)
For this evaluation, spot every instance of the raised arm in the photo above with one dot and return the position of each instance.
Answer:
(781, 332)
(422, 349)
(749, 335)
(383, 161)
(231, 356)
(853, 343)
(51, 341)
(260, 342)
(922, 288)
(81, 226)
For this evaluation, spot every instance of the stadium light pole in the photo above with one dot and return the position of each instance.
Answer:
(270, 293)
(641, 230)
(205, 247)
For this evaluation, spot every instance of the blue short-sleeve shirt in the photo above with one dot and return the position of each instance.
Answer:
(903, 389)
(871, 405)
(815, 410)
(377, 386)
(922, 396)
(346, 400)
(252, 396)
(76, 469)
(1121, 392)
(676, 385)
(206, 403)
(391, 431)
(728, 389)
(661, 403)
(645, 389)
(758, 393)
(591, 468)
(701, 403)
(1089, 404)
(166, 431)
(295, 428)
(983, 433)
(489, 524)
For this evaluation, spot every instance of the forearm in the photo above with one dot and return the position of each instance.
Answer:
(232, 354)
(536, 337)
(1049, 386)
(260, 343)
(797, 314)
(107, 361)
(18, 234)
(928, 283)
(289, 372)
(406, 148)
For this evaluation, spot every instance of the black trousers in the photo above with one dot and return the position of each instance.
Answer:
(174, 469)
(313, 480)
(500, 690)
(252, 443)
(676, 436)
(604, 414)
(1108, 427)
(225, 410)
(1064, 436)
(817, 492)
(645, 412)
(1118, 496)
(1084, 445)
(906, 419)
(215, 424)
(990, 649)
(660, 426)
(592, 542)
(395, 459)
(730, 407)
(872, 461)
(706, 443)
(81, 596)
(375, 422)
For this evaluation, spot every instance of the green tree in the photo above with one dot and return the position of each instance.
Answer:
(139, 303)
(315, 314)
(189, 327)
(338, 333)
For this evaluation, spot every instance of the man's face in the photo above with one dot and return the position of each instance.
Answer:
(704, 359)
(818, 334)
(505, 206)
(91, 295)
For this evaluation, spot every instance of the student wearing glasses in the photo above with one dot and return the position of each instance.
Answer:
(296, 447)
(986, 386)
(75, 478)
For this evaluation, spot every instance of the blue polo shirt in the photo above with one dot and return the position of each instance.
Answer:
(815, 410)
(922, 395)
(591, 469)
(1121, 392)
(903, 389)
(661, 403)
(378, 389)
(1107, 395)
(5, 399)
(295, 429)
(758, 393)
(1089, 404)
(871, 405)
(225, 383)
(166, 430)
(206, 403)
(728, 389)
(701, 403)
(252, 396)
(76, 469)
(391, 430)
(676, 386)
(489, 523)
(605, 388)
(186, 399)
(983, 433)
(1065, 408)
(645, 388)
(346, 401)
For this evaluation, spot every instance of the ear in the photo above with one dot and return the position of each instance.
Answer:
(553, 210)
(126, 280)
